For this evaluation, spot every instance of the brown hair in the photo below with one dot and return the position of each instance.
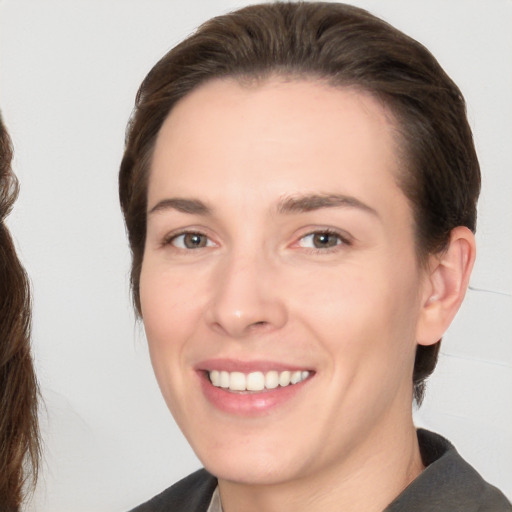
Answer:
(19, 431)
(346, 46)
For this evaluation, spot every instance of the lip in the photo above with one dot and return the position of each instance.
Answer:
(234, 365)
(249, 404)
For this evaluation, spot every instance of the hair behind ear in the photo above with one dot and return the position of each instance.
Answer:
(424, 364)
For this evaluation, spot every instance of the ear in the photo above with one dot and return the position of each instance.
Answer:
(446, 283)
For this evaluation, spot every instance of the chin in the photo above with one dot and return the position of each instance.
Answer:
(250, 462)
(249, 471)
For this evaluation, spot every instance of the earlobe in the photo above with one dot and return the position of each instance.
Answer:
(446, 285)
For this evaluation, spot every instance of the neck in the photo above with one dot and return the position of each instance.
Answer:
(367, 482)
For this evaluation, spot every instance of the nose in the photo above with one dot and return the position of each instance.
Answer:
(245, 299)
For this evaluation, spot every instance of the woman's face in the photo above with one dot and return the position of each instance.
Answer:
(280, 290)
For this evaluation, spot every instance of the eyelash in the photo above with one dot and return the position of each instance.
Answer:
(341, 240)
(168, 240)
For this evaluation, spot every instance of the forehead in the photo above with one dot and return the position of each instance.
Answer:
(286, 134)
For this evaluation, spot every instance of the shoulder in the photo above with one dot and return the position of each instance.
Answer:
(448, 483)
(193, 493)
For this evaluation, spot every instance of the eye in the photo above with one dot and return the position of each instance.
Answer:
(321, 240)
(190, 241)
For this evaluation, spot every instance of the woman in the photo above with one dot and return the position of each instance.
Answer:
(299, 186)
(19, 433)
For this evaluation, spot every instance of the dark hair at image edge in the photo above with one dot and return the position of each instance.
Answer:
(19, 431)
(343, 46)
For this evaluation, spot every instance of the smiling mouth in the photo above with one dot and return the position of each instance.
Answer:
(256, 381)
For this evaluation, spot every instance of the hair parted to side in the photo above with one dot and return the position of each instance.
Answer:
(19, 427)
(346, 47)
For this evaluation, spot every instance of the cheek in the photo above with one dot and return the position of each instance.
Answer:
(167, 316)
(168, 302)
(166, 323)
(364, 317)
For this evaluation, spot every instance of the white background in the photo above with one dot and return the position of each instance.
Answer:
(69, 71)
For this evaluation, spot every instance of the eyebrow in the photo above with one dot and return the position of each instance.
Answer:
(311, 202)
(288, 205)
(192, 206)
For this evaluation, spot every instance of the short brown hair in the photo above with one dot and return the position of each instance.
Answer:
(346, 46)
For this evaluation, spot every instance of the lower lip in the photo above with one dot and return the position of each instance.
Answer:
(249, 403)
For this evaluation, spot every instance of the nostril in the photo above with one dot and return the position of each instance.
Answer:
(261, 323)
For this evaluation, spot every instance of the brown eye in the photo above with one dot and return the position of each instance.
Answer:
(190, 241)
(321, 240)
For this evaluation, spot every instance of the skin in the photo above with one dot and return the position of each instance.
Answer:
(261, 287)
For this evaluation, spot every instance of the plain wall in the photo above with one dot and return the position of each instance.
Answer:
(69, 71)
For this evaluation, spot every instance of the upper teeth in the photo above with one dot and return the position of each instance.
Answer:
(256, 381)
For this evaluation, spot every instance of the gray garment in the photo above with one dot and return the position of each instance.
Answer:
(448, 484)
(192, 494)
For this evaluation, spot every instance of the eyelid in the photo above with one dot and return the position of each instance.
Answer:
(168, 239)
(345, 238)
